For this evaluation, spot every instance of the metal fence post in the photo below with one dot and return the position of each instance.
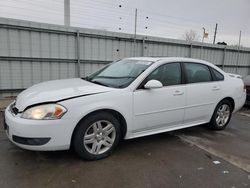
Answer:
(201, 51)
(237, 61)
(190, 50)
(248, 72)
(78, 53)
(223, 58)
(143, 46)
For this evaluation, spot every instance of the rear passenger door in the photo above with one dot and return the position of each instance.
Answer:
(203, 93)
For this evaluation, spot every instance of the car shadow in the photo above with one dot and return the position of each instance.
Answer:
(146, 144)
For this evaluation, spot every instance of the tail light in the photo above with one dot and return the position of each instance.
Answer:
(244, 87)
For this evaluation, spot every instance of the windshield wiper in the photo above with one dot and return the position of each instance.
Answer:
(99, 83)
(85, 78)
(115, 77)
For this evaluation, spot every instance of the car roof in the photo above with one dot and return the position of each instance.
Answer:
(153, 59)
(177, 59)
(169, 59)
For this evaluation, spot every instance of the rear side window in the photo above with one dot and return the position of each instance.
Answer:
(197, 73)
(217, 75)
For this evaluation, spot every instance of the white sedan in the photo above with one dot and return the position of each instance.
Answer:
(126, 99)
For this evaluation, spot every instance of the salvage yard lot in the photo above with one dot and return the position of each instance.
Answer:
(193, 157)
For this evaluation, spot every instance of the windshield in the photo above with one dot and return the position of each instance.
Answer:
(119, 74)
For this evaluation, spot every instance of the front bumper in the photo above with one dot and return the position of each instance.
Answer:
(41, 135)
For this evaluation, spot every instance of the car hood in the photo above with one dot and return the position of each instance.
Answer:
(56, 90)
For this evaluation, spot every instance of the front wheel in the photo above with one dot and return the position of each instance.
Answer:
(221, 116)
(97, 136)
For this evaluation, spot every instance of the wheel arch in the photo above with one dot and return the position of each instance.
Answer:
(211, 123)
(115, 113)
(231, 100)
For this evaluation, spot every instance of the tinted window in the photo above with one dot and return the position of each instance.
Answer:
(168, 74)
(217, 75)
(197, 73)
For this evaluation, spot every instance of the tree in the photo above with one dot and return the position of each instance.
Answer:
(222, 43)
(191, 36)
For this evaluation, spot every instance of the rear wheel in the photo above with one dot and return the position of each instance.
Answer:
(222, 115)
(97, 136)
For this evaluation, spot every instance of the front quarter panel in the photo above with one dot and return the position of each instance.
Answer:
(119, 100)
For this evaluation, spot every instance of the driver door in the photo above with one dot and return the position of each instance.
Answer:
(160, 108)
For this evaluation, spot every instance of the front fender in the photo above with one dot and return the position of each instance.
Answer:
(79, 108)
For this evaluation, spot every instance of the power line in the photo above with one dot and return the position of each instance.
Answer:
(158, 19)
(146, 10)
(76, 15)
(114, 16)
(95, 3)
(111, 7)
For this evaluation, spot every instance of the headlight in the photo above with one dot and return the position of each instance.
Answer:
(46, 111)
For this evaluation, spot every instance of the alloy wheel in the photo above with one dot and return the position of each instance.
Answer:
(99, 137)
(223, 115)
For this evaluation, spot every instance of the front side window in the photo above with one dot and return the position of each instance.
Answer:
(196, 73)
(168, 74)
(119, 74)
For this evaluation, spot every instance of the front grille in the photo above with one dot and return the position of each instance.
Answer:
(31, 141)
(14, 109)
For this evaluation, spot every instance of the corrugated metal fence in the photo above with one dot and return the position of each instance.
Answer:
(33, 52)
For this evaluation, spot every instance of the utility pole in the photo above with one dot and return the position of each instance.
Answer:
(239, 40)
(204, 31)
(135, 31)
(215, 32)
(203, 36)
(67, 12)
(237, 61)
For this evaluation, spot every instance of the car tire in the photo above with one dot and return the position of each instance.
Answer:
(96, 136)
(221, 116)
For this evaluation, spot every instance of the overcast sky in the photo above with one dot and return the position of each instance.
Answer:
(167, 18)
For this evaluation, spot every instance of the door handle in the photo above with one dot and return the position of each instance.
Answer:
(215, 88)
(177, 93)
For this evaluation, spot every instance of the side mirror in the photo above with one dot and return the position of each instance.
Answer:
(153, 84)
